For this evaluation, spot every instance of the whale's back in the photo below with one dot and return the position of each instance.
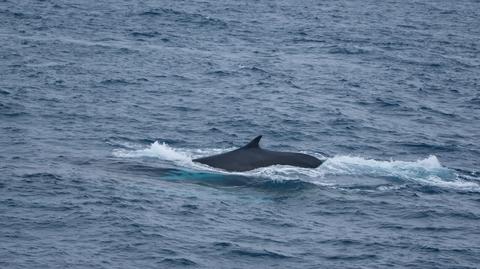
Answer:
(245, 159)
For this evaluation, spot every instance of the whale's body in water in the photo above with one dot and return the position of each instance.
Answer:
(251, 156)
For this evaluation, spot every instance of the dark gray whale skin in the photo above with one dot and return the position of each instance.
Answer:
(252, 156)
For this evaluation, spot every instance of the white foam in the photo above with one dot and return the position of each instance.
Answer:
(352, 165)
(428, 171)
(156, 150)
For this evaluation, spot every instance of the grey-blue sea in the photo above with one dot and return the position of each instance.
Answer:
(104, 103)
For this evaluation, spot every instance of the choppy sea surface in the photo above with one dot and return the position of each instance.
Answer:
(103, 105)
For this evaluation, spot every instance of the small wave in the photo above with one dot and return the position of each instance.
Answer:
(258, 253)
(178, 262)
(184, 17)
(221, 73)
(12, 109)
(428, 171)
(307, 40)
(347, 51)
(116, 82)
(20, 15)
(145, 34)
(42, 175)
(475, 100)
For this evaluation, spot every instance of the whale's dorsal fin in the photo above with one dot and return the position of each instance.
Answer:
(253, 143)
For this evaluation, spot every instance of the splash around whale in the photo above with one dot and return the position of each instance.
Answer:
(251, 156)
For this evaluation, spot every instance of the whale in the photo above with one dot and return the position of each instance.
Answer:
(252, 156)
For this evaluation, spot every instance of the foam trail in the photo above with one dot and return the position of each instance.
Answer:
(428, 171)
(348, 165)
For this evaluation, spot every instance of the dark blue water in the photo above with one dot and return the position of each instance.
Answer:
(103, 104)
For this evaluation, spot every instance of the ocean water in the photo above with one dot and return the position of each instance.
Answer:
(103, 105)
